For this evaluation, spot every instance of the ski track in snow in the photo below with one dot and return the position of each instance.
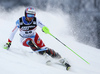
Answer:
(18, 60)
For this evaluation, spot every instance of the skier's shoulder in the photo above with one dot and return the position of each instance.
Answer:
(19, 21)
(35, 19)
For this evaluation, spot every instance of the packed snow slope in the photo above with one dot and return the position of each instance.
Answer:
(18, 60)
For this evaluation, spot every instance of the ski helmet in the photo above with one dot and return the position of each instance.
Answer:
(30, 12)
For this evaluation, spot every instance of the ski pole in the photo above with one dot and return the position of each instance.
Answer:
(68, 48)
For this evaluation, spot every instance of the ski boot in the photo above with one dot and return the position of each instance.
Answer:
(65, 63)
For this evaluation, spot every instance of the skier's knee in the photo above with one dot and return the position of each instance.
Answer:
(32, 45)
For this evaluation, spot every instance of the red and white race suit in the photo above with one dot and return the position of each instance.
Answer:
(27, 31)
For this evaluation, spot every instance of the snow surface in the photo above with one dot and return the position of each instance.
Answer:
(18, 60)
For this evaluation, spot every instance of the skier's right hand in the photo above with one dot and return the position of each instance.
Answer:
(7, 45)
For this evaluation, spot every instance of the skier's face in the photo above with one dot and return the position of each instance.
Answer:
(29, 19)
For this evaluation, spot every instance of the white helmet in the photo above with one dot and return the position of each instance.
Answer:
(30, 10)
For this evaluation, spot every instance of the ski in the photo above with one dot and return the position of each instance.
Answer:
(66, 65)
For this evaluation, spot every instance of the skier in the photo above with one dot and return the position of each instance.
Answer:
(27, 25)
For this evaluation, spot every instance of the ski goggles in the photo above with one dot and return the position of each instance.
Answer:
(30, 15)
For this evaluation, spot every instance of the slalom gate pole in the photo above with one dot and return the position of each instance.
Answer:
(68, 48)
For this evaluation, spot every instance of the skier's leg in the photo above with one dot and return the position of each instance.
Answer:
(37, 44)
(52, 53)
(29, 43)
(34, 43)
(24, 41)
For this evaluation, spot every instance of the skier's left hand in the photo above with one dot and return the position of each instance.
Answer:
(45, 30)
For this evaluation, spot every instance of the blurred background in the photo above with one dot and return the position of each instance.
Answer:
(84, 15)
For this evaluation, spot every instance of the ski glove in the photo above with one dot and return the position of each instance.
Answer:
(7, 45)
(45, 30)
